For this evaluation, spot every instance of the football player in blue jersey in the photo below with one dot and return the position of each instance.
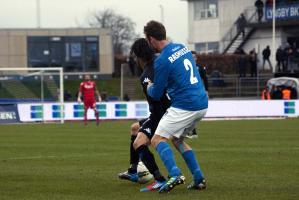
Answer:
(175, 71)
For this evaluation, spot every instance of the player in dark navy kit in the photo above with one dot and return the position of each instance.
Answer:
(175, 72)
(142, 132)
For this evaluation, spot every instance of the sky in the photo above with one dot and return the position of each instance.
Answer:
(74, 13)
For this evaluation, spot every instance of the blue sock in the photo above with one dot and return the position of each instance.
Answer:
(167, 157)
(193, 165)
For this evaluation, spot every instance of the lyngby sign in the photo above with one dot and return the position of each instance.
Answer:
(283, 12)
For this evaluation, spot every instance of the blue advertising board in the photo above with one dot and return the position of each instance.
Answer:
(9, 113)
(283, 12)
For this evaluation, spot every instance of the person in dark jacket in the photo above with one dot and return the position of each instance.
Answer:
(266, 57)
(202, 71)
(279, 59)
(241, 23)
(253, 63)
(259, 4)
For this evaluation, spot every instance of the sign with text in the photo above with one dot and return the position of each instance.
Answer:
(8, 113)
(283, 12)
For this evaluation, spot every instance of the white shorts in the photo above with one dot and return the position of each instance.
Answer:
(178, 123)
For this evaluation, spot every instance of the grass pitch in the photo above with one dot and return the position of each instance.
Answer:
(250, 159)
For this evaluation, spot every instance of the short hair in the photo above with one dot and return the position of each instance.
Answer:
(141, 49)
(155, 29)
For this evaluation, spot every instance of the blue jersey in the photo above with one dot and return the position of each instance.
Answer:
(175, 71)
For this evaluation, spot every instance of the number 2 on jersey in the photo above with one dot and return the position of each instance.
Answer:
(188, 65)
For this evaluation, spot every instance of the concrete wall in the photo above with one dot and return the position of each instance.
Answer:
(13, 45)
(13, 49)
(205, 30)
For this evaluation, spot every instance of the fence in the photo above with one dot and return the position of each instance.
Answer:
(237, 87)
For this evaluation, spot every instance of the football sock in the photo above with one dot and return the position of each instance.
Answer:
(149, 161)
(193, 165)
(167, 157)
(134, 157)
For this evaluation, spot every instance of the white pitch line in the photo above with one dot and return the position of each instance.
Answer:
(57, 157)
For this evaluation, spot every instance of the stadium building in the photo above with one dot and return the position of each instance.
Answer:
(213, 25)
(74, 49)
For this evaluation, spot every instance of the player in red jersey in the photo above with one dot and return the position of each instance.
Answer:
(88, 89)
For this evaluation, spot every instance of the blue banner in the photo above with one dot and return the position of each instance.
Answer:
(9, 113)
(283, 12)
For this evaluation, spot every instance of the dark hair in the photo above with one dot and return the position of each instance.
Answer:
(155, 29)
(141, 49)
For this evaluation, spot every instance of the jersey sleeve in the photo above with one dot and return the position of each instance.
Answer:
(81, 88)
(160, 80)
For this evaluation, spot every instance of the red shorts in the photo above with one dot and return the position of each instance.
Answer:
(89, 103)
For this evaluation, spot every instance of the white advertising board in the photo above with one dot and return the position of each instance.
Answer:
(30, 112)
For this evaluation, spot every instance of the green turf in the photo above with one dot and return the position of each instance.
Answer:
(250, 159)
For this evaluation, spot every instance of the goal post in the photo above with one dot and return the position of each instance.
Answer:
(33, 85)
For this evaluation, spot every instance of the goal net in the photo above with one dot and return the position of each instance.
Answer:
(33, 86)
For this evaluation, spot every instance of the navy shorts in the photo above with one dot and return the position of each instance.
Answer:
(148, 127)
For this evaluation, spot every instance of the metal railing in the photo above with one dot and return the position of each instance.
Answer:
(250, 16)
(237, 87)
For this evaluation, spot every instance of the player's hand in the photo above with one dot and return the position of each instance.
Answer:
(79, 100)
(149, 84)
(99, 98)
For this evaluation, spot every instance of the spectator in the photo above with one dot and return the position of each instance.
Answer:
(217, 78)
(253, 63)
(279, 59)
(259, 4)
(294, 59)
(287, 52)
(241, 23)
(126, 97)
(269, 3)
(276, 93)
(67, 95)
(202, 71)
(242, 62)
(104, 96)
(266, 57)
(266, 94)
(294, 94)
(286, 93)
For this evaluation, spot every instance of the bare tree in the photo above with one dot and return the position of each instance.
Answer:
(123, 28)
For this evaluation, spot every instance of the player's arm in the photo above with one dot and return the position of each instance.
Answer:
(156, 89)
(97, 93)
(80, 93)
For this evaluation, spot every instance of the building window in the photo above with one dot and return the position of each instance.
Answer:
(207, 47)
(205, 9)
(73, 53)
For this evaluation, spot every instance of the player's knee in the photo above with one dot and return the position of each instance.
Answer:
(156, 140)
(136, 144)
(134, 129)
(141, 139)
